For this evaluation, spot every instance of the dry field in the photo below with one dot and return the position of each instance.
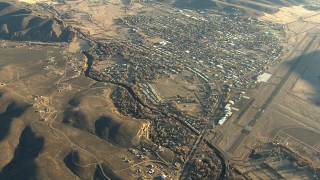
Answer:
(47, 99)
(290, 14)
(179, 85)
(98, 18)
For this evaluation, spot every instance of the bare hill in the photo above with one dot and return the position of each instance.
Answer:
(23, 165)
(97, 118)
(80, 165)
(21, 24)
(34, 143)
(10, 110)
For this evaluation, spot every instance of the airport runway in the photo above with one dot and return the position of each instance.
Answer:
(277, 89)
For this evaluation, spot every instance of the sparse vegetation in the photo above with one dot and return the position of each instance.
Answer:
(133, 89)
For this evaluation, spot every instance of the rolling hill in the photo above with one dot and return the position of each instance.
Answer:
(117, 129)
(21, 24)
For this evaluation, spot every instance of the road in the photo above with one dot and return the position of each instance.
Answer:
(55, 110)
(199, 141)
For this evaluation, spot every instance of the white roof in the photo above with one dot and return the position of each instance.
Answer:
(264, 77)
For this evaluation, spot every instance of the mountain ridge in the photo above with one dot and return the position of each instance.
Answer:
(17, 23)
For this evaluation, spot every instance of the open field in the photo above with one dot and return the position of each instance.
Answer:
(163, 85)
(250, 7)
(292, 14)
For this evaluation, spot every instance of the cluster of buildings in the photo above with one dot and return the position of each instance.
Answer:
(150, 93)
(198, 73)
(222, 53)
(172, 134)
(219, 50)
(228, 48)
(137, 64)
(227, 113)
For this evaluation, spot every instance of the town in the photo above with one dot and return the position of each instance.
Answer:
(187, 69)
(160, 89)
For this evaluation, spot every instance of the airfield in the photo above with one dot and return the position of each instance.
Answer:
(284, 111)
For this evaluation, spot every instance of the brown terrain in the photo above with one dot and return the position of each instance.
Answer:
(21, 24)
(39, 94)
(251, 7)
(59, 122)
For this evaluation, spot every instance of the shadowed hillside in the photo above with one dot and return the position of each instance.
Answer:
(20, 24)
(117, 131)
(307, 87)
(80, 165)
(23, 165)
(97, 119)
(9, 110)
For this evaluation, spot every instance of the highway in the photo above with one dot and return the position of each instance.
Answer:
(199, 141)
(187, 164)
